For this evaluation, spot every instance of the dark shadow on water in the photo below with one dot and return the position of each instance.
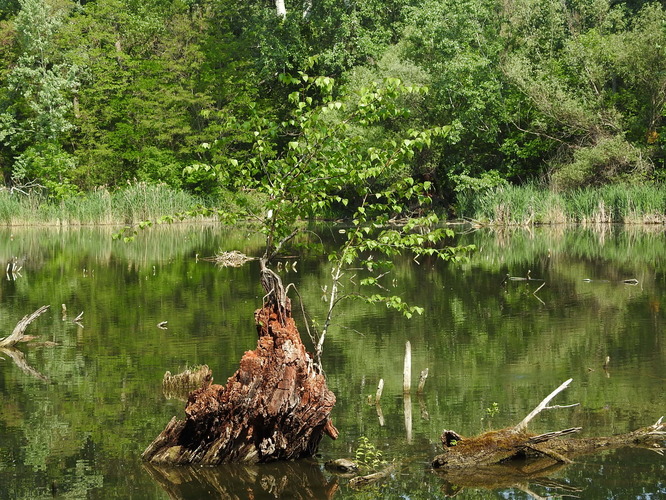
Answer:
(303, 479)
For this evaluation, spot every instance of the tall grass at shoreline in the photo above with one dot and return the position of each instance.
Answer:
(128, 205)
(501, 205)
(529, 204)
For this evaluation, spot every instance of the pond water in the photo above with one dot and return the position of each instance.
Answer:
(75, 416)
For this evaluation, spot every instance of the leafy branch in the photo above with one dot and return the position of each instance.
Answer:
(317, 161)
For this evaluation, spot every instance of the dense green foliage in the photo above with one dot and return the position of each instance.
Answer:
(113, 91)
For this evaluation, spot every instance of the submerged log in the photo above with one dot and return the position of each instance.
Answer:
(275, 407)
(362, 481)
(467, 455)
(180, 385)
(536, 463)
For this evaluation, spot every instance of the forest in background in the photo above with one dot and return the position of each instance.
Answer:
(564, 95)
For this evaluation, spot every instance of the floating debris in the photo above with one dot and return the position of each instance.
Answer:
(230, 259)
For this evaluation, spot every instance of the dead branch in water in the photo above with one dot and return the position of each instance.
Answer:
(538, 461)
(361, 481)
(543, 406)
(422, 380)
(19, 330)
(467, 456)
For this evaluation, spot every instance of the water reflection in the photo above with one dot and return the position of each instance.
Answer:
(523, 476)
(483, 343)
(19, 360)
(302, 480)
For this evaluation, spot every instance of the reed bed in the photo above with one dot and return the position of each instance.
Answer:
(530, 204)
(129, 205)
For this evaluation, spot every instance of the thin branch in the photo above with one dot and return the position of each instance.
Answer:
(305, 316)
(268, 256)
(541, 406)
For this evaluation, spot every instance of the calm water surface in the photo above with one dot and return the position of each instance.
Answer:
(75, 416)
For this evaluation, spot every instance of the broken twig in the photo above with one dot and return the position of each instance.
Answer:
(360, 481)
(543, 406)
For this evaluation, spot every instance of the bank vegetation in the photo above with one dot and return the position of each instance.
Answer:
(554, 111)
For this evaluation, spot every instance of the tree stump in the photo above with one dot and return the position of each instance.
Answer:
(275, 407)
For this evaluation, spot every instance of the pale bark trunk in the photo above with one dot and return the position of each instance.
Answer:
(280, 8)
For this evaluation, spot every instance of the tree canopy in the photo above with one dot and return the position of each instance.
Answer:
(108, 92)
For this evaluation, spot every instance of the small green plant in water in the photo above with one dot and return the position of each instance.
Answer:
(492, 410)
(367, 455)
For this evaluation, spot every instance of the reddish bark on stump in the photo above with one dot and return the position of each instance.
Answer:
(275, 407)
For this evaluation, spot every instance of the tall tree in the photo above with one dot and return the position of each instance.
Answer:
(37, 106)
(459, 44)
(570, 60)
(144, 90)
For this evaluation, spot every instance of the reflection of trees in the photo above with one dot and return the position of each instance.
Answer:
(95, 246)
(477, 339)
(294, 480)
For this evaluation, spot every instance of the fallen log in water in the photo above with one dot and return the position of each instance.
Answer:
(362, 481)
(18, 334)
(275, 407)
(527, 463)
(466, 457)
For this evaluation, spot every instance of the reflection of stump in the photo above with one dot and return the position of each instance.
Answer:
(275, 407)
(297, 480)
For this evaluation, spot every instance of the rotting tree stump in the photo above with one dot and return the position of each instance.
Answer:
(275, 407)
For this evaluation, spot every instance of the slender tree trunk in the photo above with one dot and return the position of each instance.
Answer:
(280, 8)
